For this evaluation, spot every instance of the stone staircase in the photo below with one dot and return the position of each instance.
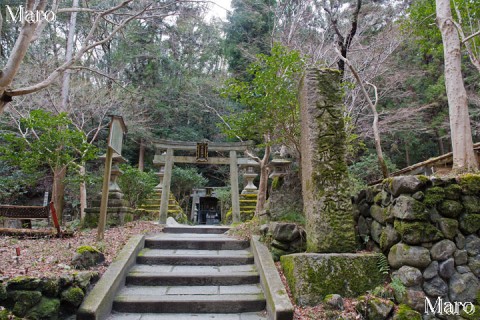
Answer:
(191, 273)
(151, 207)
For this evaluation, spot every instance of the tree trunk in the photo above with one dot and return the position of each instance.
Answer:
(441, 147)
(68, 56)
(58, 190)
(141, 156)
(407, 154)
(83, 193)
(262, 187)
(378, 145)
(464, 158)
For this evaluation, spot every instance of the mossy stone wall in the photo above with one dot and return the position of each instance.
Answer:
(428, 227)
(327, 205)
(44, 298)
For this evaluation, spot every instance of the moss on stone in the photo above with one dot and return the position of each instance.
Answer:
(378, 198)
(453, 191)
(417, 232)
(48, 308)
(73, 296)
(470, 183)
(23, 283)
(474, 316)
(50, 287)
(404, 312)
(423, 179)
(24, 300)
(83, 249)
(3, 292)
(312, 277)
(450, 208)
(434, 196)
(470, 223)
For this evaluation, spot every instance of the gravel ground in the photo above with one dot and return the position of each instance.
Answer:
(48, 257)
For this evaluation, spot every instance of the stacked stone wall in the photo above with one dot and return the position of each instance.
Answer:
(44, 298)
(430, 231)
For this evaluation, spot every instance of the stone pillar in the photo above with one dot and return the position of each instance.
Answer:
(327, 204)
(160, 174)
(234, 187)
(166, 186)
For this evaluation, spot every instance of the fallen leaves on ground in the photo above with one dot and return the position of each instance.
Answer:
(49, 257)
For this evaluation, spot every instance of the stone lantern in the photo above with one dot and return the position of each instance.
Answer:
(249, 174)
(279, 167)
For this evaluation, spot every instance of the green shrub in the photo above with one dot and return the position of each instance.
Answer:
(136, 185)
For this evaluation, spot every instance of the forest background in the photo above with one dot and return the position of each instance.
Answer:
(174, 71)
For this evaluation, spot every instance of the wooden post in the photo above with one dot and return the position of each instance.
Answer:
(234, 187)
(166, 186)
(55, 219)
(102, 219)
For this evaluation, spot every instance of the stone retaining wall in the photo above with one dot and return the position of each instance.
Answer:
(429, 229)
(44, 298)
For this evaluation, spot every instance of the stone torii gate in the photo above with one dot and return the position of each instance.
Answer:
(165, 158)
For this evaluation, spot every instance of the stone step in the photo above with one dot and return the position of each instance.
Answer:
(188, 316)
(196, 229)
(196, 243)
(194, 257)
(170, 275)
(185, 299)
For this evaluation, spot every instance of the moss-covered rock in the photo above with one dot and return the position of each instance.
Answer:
(405, 184)
(404, 312)
(449, 227)
(433, 196)
(24, 300)
(470, 183)
(382, 215)
(417, 232)
(472, 315)
(373, 308)
(388, 238)
(73, 296)
(47, 309)
(407, 208)
(50, 287)
(471, 204)
(3, 292)
(23, 283)
(402, 254)
(313, 276)
(7, 315)
(87, 257)
(450, 208)
(469, 223)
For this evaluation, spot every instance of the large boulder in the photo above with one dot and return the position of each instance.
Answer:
(413, 297)
(313, 276)
(382, 215)
(388, 238)
(472, 245)
(405, 184)
(285, 232)
(402, 254)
